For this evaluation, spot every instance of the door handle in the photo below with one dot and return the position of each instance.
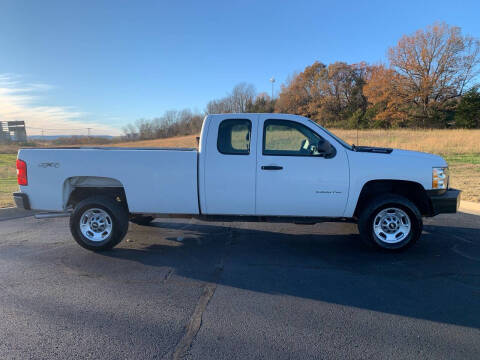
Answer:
(272, 167)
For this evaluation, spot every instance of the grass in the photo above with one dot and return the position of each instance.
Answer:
(465, 174)
(473, 159)
(461, 149)
(8, 179)
(8, 149)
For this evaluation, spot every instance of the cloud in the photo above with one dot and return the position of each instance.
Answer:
(19, 101)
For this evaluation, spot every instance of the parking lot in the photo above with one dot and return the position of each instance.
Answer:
(185, 289)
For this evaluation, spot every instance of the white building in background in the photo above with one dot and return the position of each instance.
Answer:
(13, 131)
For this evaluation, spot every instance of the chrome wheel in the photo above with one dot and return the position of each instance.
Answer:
(392, 225)
(96, 224)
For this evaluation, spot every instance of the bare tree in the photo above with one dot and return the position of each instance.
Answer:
(146, 129)
(171, 123)
(237, 101)
(219, 106)
(130, 132)
(242, 95)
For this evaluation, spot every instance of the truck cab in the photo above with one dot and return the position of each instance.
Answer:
(257, 164)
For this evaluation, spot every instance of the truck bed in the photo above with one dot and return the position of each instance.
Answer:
(156, 180)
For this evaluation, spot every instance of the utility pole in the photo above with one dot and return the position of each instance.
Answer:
(272, 80)
(88, 135)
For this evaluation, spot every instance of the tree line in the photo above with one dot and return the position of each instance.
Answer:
(429, 81)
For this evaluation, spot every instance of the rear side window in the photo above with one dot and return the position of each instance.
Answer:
(234, 137)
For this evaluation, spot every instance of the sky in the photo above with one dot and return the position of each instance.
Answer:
(72, 65)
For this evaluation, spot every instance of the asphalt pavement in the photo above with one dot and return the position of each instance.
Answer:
(185, 289)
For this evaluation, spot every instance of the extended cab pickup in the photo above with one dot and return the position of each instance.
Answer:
(249, 167)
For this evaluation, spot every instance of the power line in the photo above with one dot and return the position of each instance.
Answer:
(31, 127)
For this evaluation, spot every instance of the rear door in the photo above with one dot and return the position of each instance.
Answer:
(293, 177)
(230, 165)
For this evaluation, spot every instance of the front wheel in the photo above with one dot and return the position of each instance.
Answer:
(99, 223)
(390, 222)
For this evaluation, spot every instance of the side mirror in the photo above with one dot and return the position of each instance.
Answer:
(323, 146)
(325, 149)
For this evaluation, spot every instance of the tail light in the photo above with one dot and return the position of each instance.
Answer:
(22, 172)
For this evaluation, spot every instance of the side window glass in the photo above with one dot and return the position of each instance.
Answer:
(284, 137)
(234, 137)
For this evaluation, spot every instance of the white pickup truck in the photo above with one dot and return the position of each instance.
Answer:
(249, 167)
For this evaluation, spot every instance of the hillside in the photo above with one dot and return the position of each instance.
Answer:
(188, 141)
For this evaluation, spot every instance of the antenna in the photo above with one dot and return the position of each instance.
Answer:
(272, 80)
(357, 131)
(357, 136)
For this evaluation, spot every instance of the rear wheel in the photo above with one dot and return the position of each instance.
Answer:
(390, 222)
(99, 223)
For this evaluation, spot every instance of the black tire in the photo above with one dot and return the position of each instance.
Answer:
(141, 219)
(119, 221)
(382, 202)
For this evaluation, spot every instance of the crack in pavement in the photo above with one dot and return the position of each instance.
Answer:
(195, 321)
(168, 275)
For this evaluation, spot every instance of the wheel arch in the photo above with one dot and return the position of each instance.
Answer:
(411, 190)
(78, 188)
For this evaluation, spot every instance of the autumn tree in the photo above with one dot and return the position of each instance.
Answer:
(343, 91)
(387, 106)
(326, 94)
(433, 66)
(302, 93)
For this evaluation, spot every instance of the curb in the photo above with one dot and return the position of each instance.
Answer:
(469, 207)
(14, 213)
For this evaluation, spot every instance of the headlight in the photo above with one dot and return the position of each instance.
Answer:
(440, 178)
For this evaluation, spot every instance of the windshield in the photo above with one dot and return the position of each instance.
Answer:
(342, 142)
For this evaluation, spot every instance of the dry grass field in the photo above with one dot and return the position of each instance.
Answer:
(461, 148)
(433, 141)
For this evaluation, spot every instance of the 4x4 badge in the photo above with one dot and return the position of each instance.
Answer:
(49, 164)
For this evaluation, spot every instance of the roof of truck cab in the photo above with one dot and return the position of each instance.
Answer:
(261, 114)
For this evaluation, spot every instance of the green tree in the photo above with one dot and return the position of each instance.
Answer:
(262, 104)
(468, 110)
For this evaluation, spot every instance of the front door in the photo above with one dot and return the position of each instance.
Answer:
(294, 177)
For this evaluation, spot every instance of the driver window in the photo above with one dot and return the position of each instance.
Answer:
(284, 137)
